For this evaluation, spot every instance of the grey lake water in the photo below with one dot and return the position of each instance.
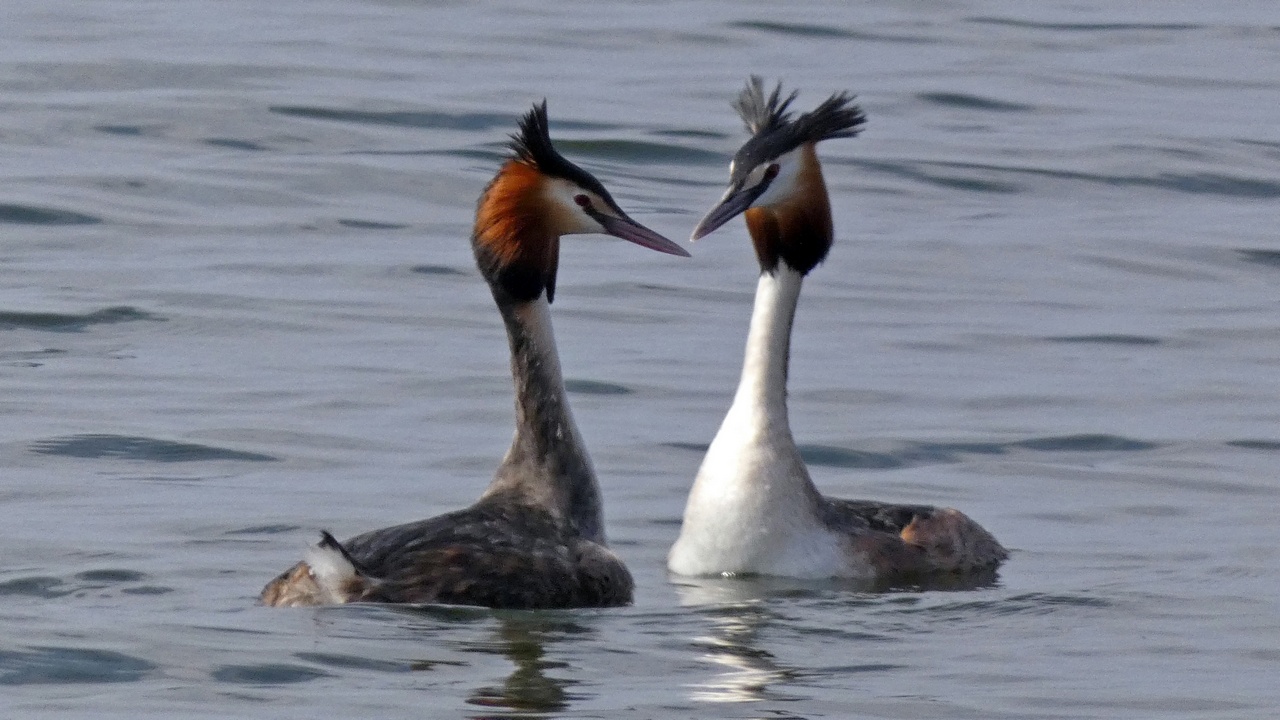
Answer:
(238, 305)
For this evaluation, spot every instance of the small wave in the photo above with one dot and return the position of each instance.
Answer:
(994, 178)
(123, 130)
(111, 576)
(1085, 27)
(1214, 184)
(72, 322)
(909, 455)
(65, 665)
(639, 151)
(801, 29)
(351, 662)
(1268, 445)
(129, 447)
(1022, 604)
(31, 215)
(234, 144)
(1105, 339)
(915, 171)
(267, 674)
(913, 454)
(831, 456)
(39, 586)
(29, 358)
(400, 118)
(1085, 443)
(973, 102)
(436, 270)
(596, 387)
(370, 224)
(1270, 258)
(813, 31)
(97, 582)
(265, 530)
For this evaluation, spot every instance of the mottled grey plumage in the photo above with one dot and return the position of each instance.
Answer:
(536, 538)
(494, 553)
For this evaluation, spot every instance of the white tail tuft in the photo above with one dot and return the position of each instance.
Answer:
(332, 571)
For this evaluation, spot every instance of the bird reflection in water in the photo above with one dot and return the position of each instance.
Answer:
(737, 612)
(520, 638)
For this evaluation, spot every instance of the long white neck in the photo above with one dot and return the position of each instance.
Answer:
(761, 400)
(753, 507)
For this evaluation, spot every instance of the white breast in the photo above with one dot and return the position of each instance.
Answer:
(753, 508)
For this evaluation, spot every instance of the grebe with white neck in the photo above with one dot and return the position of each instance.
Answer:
(753, 508)
(535, 538)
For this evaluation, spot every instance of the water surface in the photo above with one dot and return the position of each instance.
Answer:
(237, 305)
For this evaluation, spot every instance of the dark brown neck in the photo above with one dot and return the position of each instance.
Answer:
(797, 231)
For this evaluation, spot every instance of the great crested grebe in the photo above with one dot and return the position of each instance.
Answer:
(753, 508)
(535, 538)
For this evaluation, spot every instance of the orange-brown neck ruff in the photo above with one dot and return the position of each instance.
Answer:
(515, 247)
(798, 230)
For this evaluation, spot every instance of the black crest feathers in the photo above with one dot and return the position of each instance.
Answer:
(774, 130)
(532, 146)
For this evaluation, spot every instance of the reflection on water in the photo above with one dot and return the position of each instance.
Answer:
(740, 610)
(748, 672)
(521, 637)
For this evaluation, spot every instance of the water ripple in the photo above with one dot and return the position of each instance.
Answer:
(437, 270)
(1269, 445)
(638, 151)
(30, 215)
(40, 586)
(1033, 603)
(370, 224)
(351, 662)
(1105, 339)
(809, 30)
(915, 171)
(45, 587)
(267, 674)
(234, 144)
(1270, 258)
(72, 322)
(914, 454)
(596, 387)
(123, 130)
(1204, 183)
(973, 102)
(129, 447)
(265, 530)
(399, 118)
(1085, 27)
(62, 665)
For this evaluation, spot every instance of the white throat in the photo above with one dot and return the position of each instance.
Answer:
(753, 508)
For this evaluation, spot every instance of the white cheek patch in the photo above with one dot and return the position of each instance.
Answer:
(569, 216)
(784, 183)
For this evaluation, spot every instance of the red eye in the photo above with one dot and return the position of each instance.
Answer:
(582, 200)
(771, 172)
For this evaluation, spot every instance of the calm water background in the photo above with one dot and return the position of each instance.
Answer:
(237, 305)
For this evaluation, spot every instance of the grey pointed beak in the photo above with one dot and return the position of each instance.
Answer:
(734, 203)
(621, 226)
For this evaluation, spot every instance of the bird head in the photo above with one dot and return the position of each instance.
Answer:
(537, 197)
(775, 178)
